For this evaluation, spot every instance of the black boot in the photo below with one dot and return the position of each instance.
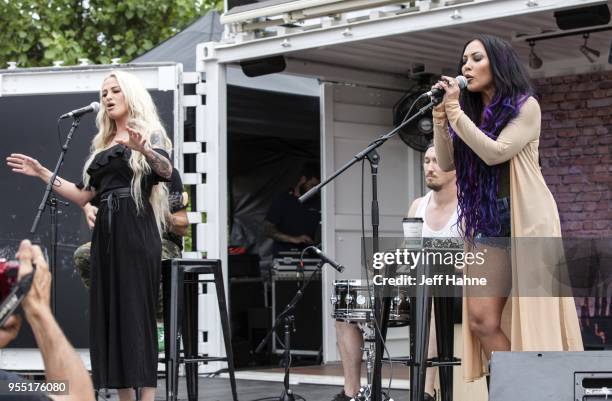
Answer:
(341, 396)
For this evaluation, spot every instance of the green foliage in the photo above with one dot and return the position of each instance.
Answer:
(38, 32)
(188, 238)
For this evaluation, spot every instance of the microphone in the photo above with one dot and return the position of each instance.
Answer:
(439, 92)
(93, 107)
(325, 259)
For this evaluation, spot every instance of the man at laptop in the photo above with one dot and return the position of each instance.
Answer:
(291, 224)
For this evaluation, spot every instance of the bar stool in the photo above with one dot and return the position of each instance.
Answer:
(180, 288)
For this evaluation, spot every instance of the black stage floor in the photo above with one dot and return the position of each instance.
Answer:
(218, 389)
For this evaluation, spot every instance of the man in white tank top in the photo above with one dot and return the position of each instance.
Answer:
(438, 209)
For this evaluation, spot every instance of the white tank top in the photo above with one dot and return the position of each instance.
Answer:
(449, 230)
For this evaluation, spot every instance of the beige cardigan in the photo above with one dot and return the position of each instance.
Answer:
(531, 323)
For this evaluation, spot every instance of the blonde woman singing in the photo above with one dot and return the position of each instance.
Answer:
(129, 156)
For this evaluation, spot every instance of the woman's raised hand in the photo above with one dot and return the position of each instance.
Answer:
(24, 164)
(135, 140)
(451, 88)
(440, 106)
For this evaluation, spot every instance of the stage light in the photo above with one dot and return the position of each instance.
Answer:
(590, 53)
(535, 62)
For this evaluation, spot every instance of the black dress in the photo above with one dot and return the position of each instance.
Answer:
(125, 276)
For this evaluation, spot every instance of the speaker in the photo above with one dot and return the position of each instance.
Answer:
(237, 3)
(559, 376)
(583, 17)
(250, 318)
(307, 339)
(263, 66)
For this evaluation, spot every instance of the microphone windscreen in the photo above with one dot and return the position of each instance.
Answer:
(463, 83)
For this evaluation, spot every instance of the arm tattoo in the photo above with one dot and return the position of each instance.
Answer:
(159, 164)
(175, 200)
(156, 139)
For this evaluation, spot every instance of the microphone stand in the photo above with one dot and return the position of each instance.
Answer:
(53, 202)
(288, 319)
(381, 312)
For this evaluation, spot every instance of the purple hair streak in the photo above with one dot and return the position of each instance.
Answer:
(477, 183)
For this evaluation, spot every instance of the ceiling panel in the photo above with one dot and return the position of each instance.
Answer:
(439, 48)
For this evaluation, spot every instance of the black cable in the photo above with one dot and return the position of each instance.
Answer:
(301, 265)
(365, 259)
(296, 396)
(215, 373)
(412, 106)
(280, 342)
(376, 327)
(367, 274)
(59, 137)
(414, 103)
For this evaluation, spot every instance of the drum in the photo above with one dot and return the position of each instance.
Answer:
(351, 302)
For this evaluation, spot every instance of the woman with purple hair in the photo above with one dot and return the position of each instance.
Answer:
(489, 134)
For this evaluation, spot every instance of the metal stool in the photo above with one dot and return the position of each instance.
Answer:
(180, 287)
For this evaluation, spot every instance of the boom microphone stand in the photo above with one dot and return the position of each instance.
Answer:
(288, 318)
(53, 203)
(381, 314)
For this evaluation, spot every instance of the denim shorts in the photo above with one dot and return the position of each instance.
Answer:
(501, 240)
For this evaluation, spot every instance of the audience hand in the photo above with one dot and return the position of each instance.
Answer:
(9, 331)
(39, 296)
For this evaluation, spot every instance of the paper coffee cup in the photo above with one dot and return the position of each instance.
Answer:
(413, 232)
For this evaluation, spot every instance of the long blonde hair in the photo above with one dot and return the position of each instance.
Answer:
(141, 109)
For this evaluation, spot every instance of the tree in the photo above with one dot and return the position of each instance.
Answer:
(38, 32)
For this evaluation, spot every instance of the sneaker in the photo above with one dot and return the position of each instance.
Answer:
(341, 396)
(427, 397)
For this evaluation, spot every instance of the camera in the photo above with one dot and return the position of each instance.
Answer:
(9, 269)
(12, 291)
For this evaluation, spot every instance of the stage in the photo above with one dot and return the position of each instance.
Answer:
(318, 383)
(330, 375)
(218, 389)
